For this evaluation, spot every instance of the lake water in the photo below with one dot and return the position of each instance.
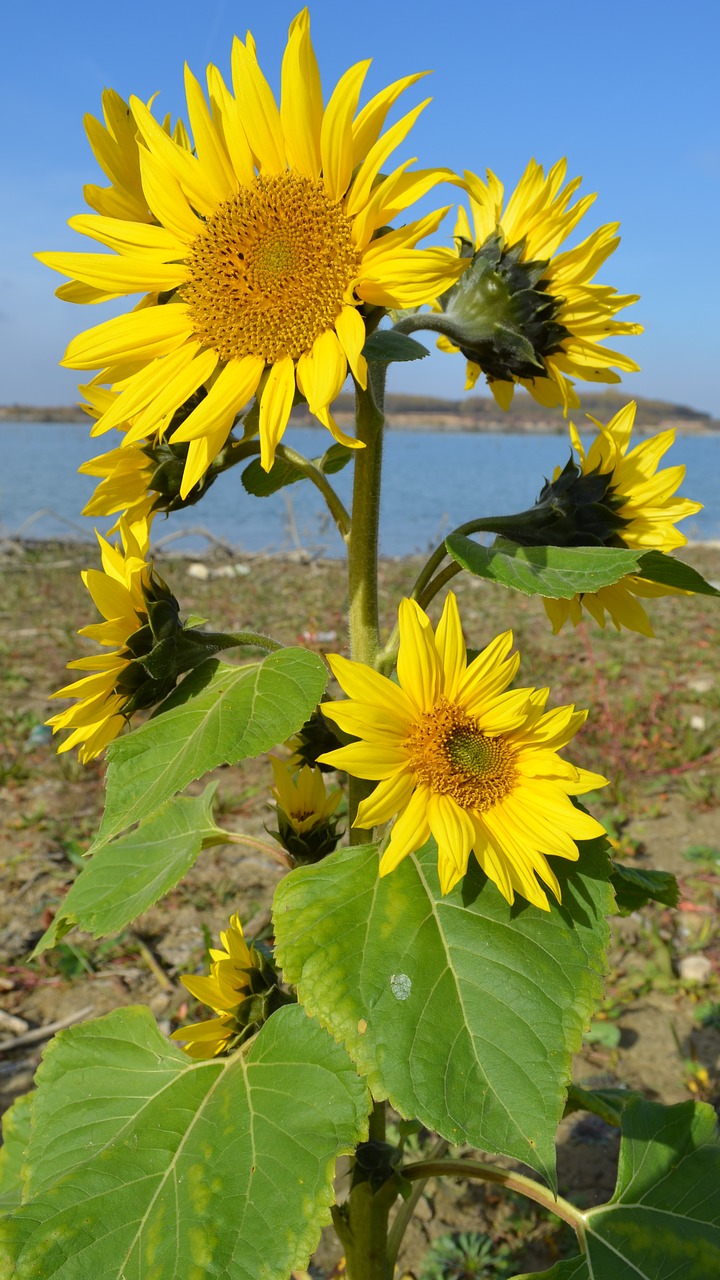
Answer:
(433, 481)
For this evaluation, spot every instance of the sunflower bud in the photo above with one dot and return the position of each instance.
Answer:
(307, 827)
(574, 509)
(500, 313)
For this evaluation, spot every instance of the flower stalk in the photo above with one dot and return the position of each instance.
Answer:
(362, 543)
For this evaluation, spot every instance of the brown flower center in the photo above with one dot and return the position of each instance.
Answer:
(450, 754)
(270, 271)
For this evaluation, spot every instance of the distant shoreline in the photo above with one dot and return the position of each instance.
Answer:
(476, 414)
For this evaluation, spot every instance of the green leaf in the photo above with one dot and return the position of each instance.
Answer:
(674, 573)
(282, 473)
(335, 458)
(143, 1163)
(16, 1136)
(664, 1218)
(388, 346)
(220, 714)
(634, 887)
(262, 483)
(462, 1010)
(126, 877)
(556, 572)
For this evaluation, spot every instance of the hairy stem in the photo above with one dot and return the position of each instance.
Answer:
(402, 1218)
(313, 472)
(513, 1181)
(362, 546)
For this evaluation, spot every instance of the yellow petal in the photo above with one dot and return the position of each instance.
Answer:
(301, 104)
(454, 832)
(388, 798)
(275, 405)
(322, 371)
(230, 392)
(451, 647)
(418, 665)
(410, 832)
(117, 274)
(366, 760)
(350, 329)
(258, 110)
(142, 334)
(370, 120)
(361, 682)
(336, 144)
(215, 163)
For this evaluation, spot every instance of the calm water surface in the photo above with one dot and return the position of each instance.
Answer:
(433, 481)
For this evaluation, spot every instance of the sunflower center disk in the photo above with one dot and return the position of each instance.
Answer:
(450, 754)
(270, 271)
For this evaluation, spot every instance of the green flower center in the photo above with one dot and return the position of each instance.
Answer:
(448, 751)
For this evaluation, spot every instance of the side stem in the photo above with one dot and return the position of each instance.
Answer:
(362, 544)
(513, 1181)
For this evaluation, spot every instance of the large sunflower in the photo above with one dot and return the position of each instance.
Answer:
(552, 319)
(458, 757)
(645, 503)
(266, 241)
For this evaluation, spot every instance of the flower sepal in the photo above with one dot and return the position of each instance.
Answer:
(309, 846)
(498, 314)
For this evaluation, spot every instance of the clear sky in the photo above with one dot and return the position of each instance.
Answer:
(627, 89)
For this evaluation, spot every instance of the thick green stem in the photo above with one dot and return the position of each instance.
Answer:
(513, 1181)
(362, 1226)
(362, 546)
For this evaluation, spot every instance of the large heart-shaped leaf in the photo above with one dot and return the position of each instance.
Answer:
(143, 1163)
(218, 715)
(556, 572)
(663, 1221)
(16, 1136)
(128, 875)
(462, 1010)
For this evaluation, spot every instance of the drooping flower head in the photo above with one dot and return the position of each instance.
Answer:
(140, 479)
(126, 592)
(307, 827)
(524, 312)
(266, 241)
(645, 506)
(241, 988)
(460, 758)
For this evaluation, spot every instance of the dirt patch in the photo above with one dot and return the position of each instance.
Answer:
(654, 712)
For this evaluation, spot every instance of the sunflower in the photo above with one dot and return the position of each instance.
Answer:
(266, 242)
(645, 503)
(115, 685)
(241, 986)
(459, 758)
(551, 318)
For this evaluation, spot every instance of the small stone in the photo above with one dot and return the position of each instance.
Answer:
(198, 570)
(9, 1022)
(697, 722)
(223, 571)
(701, 684)
(695, 968)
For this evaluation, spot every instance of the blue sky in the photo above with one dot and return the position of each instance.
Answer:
(624, 89)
